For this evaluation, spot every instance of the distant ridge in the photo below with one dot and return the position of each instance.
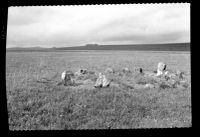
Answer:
(30, 48)
(133, 47)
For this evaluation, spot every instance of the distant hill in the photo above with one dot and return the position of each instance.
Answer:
(25, 49)
(134, 47)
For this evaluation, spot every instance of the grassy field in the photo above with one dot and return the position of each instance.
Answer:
(37, 102)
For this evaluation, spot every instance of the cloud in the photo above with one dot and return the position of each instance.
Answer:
(79, 25)
(158, 25)
(142, 39)
(24, 15)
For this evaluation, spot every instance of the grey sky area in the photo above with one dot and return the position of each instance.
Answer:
(58, 26)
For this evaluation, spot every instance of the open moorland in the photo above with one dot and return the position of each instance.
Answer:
(37, 101)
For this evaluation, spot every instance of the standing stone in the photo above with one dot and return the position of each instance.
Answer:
(63, 75)
(66, 77)
(99, 81)
(102, 81)
(161, 68)
(105, 81)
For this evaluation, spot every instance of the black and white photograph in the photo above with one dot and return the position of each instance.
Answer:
(91, 67)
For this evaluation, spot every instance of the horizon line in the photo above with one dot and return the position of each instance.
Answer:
(95, 45)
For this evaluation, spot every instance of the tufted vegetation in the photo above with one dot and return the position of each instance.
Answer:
(36, 100)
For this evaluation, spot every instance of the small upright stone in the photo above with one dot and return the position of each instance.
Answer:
(102, 81)
(161, 68)
(105, 81)
(99, 81)
(66, 77)
(63, 75)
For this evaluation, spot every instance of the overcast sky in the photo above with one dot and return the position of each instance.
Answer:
(49, 26)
